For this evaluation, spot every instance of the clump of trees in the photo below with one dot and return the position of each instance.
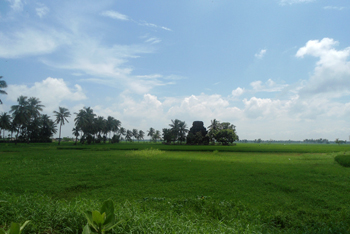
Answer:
(176, 132)
(94, 129)
(337, 141)
(27, 122)
(316, 141)
(223, 133)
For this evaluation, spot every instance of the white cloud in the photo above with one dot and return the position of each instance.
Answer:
(42, 10)
(29, 42)
(165, 28)
(237, 92)
(269, 86)
(261, 54)
(290, 2)
(333, 8)
(16, 5)
(115, 15)
(257, 118)
(153, 40)
(144, 23)
(331, 76)
(262, 108)
(51, 92)
(119, 16)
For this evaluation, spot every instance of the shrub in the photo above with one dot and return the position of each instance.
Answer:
(343, 160)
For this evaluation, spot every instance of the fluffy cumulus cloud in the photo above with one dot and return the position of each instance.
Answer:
(51, 92)
(264, 118)
(331, 76)
(268, 86)
(238, 92)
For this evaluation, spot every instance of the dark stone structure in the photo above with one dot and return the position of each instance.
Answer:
(198, 134)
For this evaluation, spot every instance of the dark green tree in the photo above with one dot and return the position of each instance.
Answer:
(225, 136)
(168, 135)
(151, 133)
(47, 129)
(61, 116)
(141, 135)
(21, 116)
(5, 123)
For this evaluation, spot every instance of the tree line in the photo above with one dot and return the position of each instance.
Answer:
(28, 124)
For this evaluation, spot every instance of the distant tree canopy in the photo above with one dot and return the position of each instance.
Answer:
(95, 129)
(28, 122)
(223, 133)
(337, 141)
(177, 132)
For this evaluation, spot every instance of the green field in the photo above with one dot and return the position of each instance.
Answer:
(248, 188)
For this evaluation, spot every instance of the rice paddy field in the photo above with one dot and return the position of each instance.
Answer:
(247, 188)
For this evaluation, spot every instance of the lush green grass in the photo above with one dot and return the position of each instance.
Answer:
(268, 190)
(239, 147)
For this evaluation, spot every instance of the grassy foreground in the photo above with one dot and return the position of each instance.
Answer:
(271, 189)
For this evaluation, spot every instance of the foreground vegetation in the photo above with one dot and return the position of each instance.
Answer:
(160, 190)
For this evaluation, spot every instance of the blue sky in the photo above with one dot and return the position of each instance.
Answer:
(277, 69)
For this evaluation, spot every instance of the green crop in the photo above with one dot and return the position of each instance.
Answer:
(101, 221)
(15, 228)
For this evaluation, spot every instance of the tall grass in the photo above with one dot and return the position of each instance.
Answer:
(239, 147)
(160, 191)
(343, 159)
(161, 215)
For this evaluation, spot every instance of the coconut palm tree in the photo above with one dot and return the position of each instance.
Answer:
(175, 128)
(75, 132)
(156, 136)
(20, 115)
(110, 125)
(2, 86)
(5, 123)
(34, 107)
(48, 128)
(128, 135)
(215, 126)
(141, 135)
(61, 115)
(100, 126)
(122, 132)
(182, 131)
(84, 120)
(151, 133)
(116, 125)
(135, 133)
(179, 129)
